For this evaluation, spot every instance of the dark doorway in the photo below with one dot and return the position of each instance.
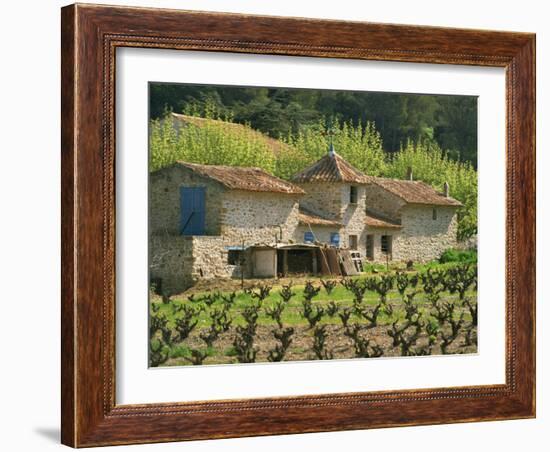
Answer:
(298, 261)
(352, 242)
(370, 247)
(386, 244)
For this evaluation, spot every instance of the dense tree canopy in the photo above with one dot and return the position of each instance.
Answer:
(450, 121)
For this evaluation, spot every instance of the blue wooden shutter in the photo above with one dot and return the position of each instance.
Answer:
(200, 211)
(308, 237)
(192, 215)
(335, 239)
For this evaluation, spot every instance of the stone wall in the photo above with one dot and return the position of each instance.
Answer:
(321, 233)
(324, 197)
(333, 201)
(377, 233)
(178, 262)
(258, 218)
(165, 205)
(380, 200)
(170, 262)
(210, 259)
(353, 217)
(422, 238)
(246, 218)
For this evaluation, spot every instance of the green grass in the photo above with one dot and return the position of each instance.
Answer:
(438, 264)
(292, 314)
(377, 268)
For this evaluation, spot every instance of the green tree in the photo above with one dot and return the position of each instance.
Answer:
(457, 127)
(433, 166)
(451, 120)
(211, 143)
(361, 146)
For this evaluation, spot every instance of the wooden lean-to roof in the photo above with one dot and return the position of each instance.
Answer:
(331, 168)
(307, 217)
(241, 178)
(415, 192)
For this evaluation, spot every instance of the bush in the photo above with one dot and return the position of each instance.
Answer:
(452, 255)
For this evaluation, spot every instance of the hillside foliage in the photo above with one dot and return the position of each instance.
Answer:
(278, 112)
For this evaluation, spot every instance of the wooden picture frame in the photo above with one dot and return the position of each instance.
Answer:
(90, 36)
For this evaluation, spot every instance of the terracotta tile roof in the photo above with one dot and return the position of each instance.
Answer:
(374, 220)
(306, 216)
(415, 192)
(331, 168)
(241, 178)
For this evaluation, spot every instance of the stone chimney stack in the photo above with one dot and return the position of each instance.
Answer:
(446, 189)
(409, 173)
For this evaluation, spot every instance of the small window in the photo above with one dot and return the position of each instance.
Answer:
(352, 242)
(234, 257)
(434, 214)
(308, 237)
(334, 239)
(353, 194)
(385, 244)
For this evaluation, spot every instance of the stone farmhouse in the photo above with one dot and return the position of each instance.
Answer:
(211, 221)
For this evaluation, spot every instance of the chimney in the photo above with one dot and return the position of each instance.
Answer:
(446, 189)
(409, 173)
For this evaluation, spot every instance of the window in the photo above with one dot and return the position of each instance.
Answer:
(353, 194)
(308, 237)
(334, 239)
(352, 242)
(385, 244)
(234, 257)
(434, 214)
(370, 247)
